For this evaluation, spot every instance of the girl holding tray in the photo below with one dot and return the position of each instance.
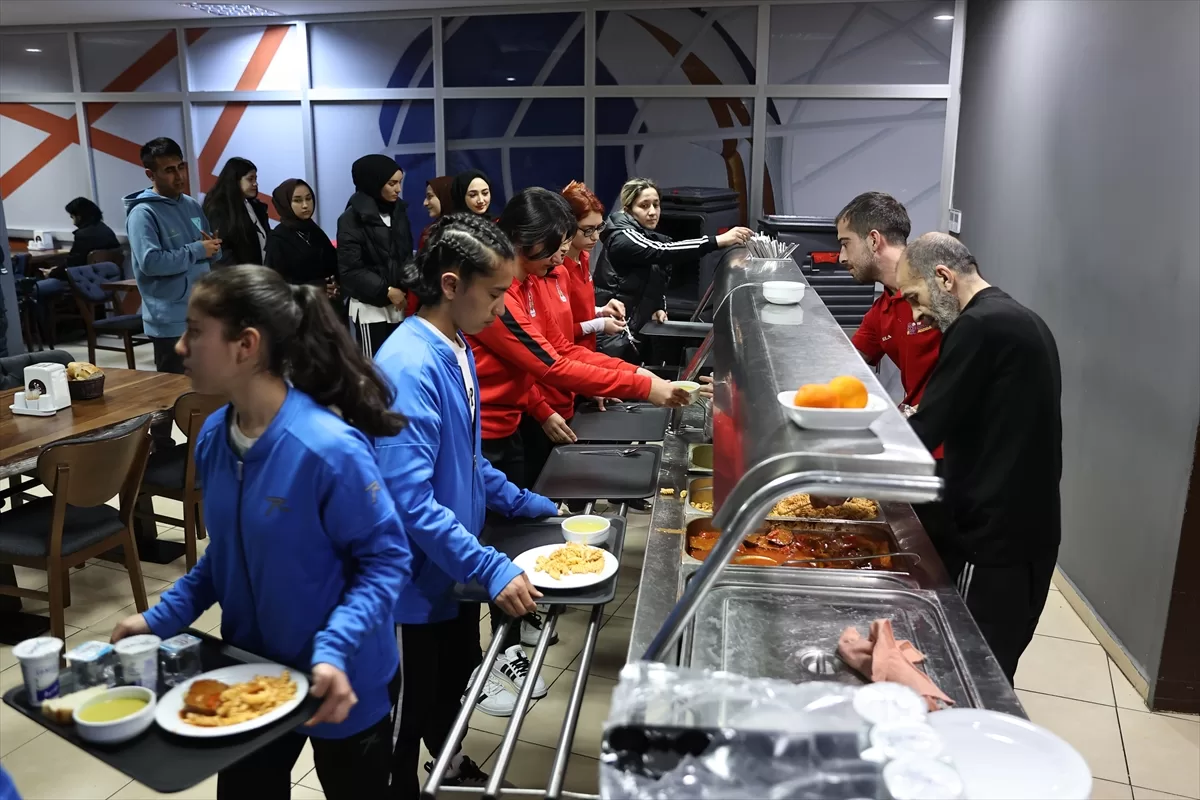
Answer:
(307, 555)
(443, 488)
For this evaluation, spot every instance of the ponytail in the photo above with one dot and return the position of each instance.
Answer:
(324, 364)
(303, 340)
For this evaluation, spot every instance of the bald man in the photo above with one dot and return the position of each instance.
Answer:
(993, 402)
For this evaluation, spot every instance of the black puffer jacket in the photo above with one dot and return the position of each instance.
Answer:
(635, 266)
(370, 254)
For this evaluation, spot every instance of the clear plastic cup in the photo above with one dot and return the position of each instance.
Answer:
(139, 660)
(39, 666)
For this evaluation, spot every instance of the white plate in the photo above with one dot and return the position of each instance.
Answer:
(1001, 757)
(784, 293)
(528, 562)
(171, 703)
(833, 419)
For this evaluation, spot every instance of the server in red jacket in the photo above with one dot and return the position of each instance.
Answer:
(873, 231)
(523, 349)
(587, 319)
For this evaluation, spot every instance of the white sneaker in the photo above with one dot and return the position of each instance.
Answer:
(496, 700)
(531, 630)
(513, 665)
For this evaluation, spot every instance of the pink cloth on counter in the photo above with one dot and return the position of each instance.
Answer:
(882, 658)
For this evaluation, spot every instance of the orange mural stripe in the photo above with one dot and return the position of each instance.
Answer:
(232, 113)
(33, 162)
(44, 121)
(116, 146)
(64, 133)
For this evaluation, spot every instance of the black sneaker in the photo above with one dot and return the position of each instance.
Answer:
(468, 774)
(531, 630)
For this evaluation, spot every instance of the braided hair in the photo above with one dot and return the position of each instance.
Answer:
(464, 243)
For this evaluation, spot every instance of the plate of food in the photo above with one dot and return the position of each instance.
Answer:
(232, 700)
(569, 566)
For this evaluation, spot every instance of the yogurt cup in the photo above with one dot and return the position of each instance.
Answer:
(39, 666)
(691, 387)
(139, 660)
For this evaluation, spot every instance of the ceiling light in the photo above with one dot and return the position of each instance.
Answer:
(231, 9)
(33, 49)
(510, 79)
(944, 17)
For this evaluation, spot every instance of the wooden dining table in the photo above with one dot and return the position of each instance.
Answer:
(128, 395)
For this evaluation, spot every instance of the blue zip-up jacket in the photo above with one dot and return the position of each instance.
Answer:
(307, 555)
(439, 479)
(168, 257)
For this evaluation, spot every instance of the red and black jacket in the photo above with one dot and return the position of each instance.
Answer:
(553, 293)
(523, 348)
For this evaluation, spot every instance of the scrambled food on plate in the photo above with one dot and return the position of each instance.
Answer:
(212, 704)
(571, 559)
(800, 505)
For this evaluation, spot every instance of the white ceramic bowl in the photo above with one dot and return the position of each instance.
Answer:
(832, 419)
(119, 730)
(783, 293)
(691, 387)
(599, 537)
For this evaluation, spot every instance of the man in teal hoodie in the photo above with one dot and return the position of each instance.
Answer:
(171, 245)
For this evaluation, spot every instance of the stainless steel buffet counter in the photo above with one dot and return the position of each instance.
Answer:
(784, 622)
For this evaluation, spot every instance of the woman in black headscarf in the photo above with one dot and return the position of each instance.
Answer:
(471, 192)
(297, 248)
(374, 240)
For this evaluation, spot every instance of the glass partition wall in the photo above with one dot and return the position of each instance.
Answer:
(795, 106)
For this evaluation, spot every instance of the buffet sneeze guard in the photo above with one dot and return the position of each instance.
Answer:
(758, 350)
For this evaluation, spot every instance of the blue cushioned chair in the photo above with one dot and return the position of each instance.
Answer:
(87, 284)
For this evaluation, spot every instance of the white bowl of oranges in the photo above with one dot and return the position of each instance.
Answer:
(843, 404)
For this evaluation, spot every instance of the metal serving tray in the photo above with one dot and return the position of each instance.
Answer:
(786, 624)
(902, 560)
(702, 489)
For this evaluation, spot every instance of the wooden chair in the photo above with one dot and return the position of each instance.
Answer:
(116, 256)
(74, 524)
(171, 473)
(87, 286)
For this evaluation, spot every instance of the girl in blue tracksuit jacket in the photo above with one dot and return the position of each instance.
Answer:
(306, 554)
(443, 488)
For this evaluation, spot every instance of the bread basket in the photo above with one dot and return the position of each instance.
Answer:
(88, 388)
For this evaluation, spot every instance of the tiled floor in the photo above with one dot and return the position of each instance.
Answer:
(1066, 682)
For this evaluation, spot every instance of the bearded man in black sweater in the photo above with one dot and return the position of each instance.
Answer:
(993, 402)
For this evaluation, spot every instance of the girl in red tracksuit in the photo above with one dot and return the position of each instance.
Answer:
(524, 349)
(587, 320)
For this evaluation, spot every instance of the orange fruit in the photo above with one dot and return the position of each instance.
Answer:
(851, 392)
(816, 395)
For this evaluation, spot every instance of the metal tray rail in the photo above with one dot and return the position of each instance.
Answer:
(508, 742)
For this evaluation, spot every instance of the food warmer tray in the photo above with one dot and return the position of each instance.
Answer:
(581, 472)
(702, 487)
(516, 536)
(163, 761)
(902, 561)
(786, 624)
